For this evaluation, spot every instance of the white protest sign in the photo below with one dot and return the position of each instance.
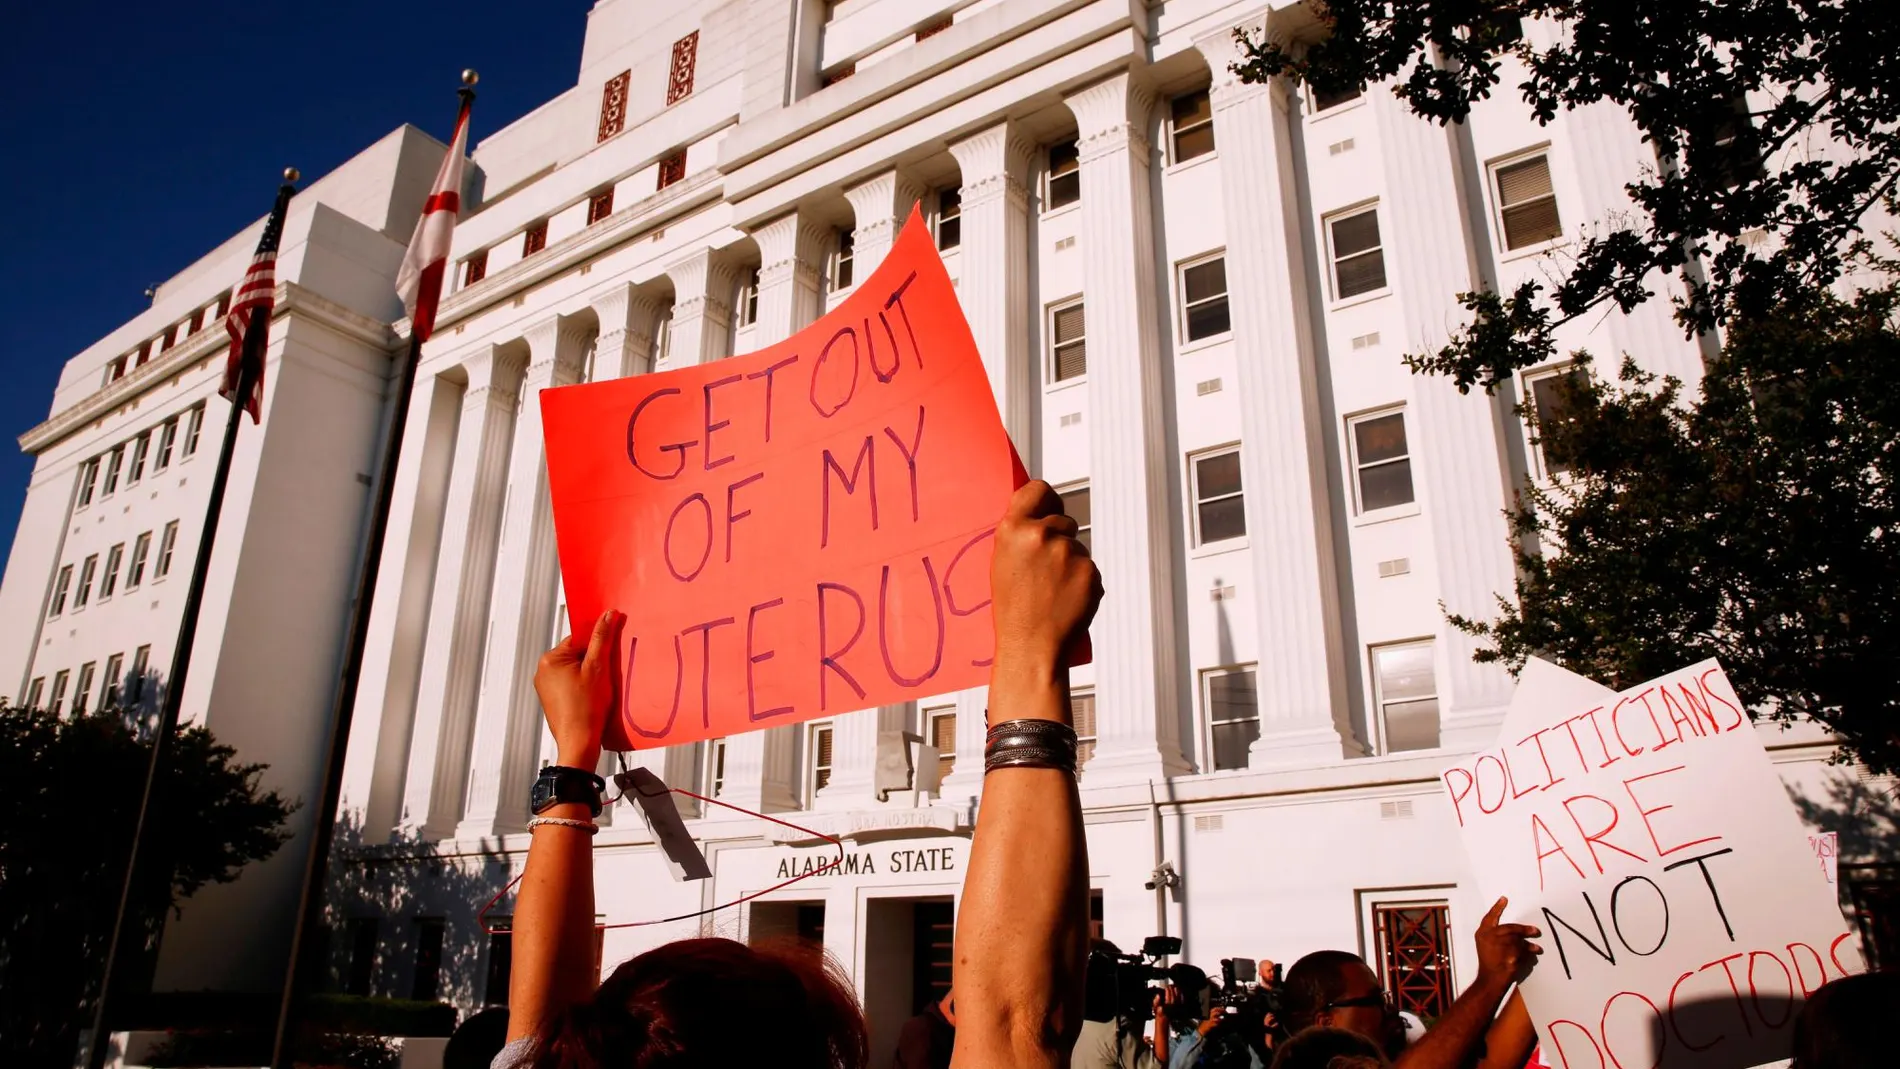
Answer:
(1684, 917)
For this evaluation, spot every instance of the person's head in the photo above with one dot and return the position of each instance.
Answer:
(477, 1040)
(1848, 1023)
(713, 1002)
(1328, 1048)
(1334, 989)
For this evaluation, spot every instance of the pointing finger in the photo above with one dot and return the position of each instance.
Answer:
(1497, 910)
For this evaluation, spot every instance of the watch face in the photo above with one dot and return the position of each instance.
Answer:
(543, 796)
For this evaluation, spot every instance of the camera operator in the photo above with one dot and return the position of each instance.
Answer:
(1332, 988)
(1114, 1009)
(1236, 1031)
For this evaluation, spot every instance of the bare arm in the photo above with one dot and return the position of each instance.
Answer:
(1504, 956)
(1508, 1043)
(1022, 934)
(553, 939)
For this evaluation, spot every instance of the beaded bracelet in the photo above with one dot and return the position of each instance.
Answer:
(564, 822)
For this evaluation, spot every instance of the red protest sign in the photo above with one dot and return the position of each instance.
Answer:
(795, 533)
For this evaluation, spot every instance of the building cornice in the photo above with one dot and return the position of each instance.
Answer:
(570, 252)
(291, 299)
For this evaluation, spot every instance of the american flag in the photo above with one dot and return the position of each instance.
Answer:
(258, 290)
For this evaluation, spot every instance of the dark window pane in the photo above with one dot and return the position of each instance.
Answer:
(1385, 485)
(949, 232)
(1063, 158)
(1411, 726)
(1355, 233)
(1232, 696)
(1192, 144)
(1065, 189)
(1551, 402)
(1405, 673)
(1205, 280)
(1520, 182)
(1068, 322)
(1360, 274)
(1207, 320)
(1323, 99)
(1072, 361)
(1232, 742)
(1381, 438)
(1223, 519)
(1528, 224)
(1191, 108)
(1076, 504)
(1217, 475)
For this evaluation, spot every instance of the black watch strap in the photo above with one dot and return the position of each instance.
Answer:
(560, 784)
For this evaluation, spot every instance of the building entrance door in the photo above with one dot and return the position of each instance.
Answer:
(906, 964)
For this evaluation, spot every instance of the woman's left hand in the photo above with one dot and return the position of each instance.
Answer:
(575, 682)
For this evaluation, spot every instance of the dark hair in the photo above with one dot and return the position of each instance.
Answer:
(700, 1002)
(1848, 1024)
(477, 1040)
(1310, 984)
(1327, 1048)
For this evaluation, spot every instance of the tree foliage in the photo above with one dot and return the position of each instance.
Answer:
(1718, 88)
(1757, 525)
(69, 796)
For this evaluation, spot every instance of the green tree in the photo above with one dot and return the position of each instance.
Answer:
(69, 794)
(1748, 518)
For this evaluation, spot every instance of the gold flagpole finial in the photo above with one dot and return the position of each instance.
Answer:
(291, 174)
(469, 77)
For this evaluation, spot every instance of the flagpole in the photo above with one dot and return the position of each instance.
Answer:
(307, 941)
(250, 364)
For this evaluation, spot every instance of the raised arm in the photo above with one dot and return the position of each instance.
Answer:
(1505, 956)
(553, 939)
(1022, 932)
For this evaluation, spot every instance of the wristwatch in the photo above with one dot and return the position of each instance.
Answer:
(558, 783)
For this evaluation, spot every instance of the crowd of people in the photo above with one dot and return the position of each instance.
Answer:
(1028, 990)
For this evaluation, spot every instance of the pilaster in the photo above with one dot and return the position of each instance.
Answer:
(791, 259)
(1137, 684)
(628, 319)
(508, 718)
(880, 205)
(702, 309)
(1304, 714)
(458, 614)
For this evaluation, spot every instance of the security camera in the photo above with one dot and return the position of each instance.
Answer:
(1164, 876)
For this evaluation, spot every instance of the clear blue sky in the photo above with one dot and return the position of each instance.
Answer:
(136, 136)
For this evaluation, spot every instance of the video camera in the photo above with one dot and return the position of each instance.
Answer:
(1134, 978)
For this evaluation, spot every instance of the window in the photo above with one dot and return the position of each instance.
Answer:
(83, 692)
(679, 76)
(475, 268)
(60, 586)
(34, 692)
(613, 106)
(165, 546)
(716, 768)
(1414, 952)
(949, 219)
(59, 693)
(1068, 349)
(1324, 99)
(1193, 115)
(170, 339)
(193, 424)
(88, 480)
(197, 321)
(1082, 719)
(1065, 174)
(1075, 502)
(1730, 146)
(362, 965)
(1204, 299)
(145, 351)
(1358, 259)
(115, 370)
(135, 573)
(749, 299)
(141, 663)
(427, 980)
(534, 239)
(600, 206)
(841, 263)
(818, 759)
(141, 448)
(501, 964)
(1233, 715)
(1381, 462)
(86, 573)
(1552, 397)
(110, 580)
(167, 437)
(1219, 507)
(1527, 206)
(672, 168)
(114, 461)
(1405, 693)
(224, 304)
(941, 727)
(113, 664)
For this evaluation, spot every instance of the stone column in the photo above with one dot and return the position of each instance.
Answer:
(880, 205)
(792, 263)
(994, 291)
(399, 620)
(508, 720)
(627, 321)
(702, 310)
(762, 766)
(1304, 715)
(1137, 685)
(1457, 439)
(458, 612)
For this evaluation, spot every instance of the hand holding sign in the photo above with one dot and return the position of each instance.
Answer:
(795, 533)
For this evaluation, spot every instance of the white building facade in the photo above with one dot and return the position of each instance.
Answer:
(1192, 296)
